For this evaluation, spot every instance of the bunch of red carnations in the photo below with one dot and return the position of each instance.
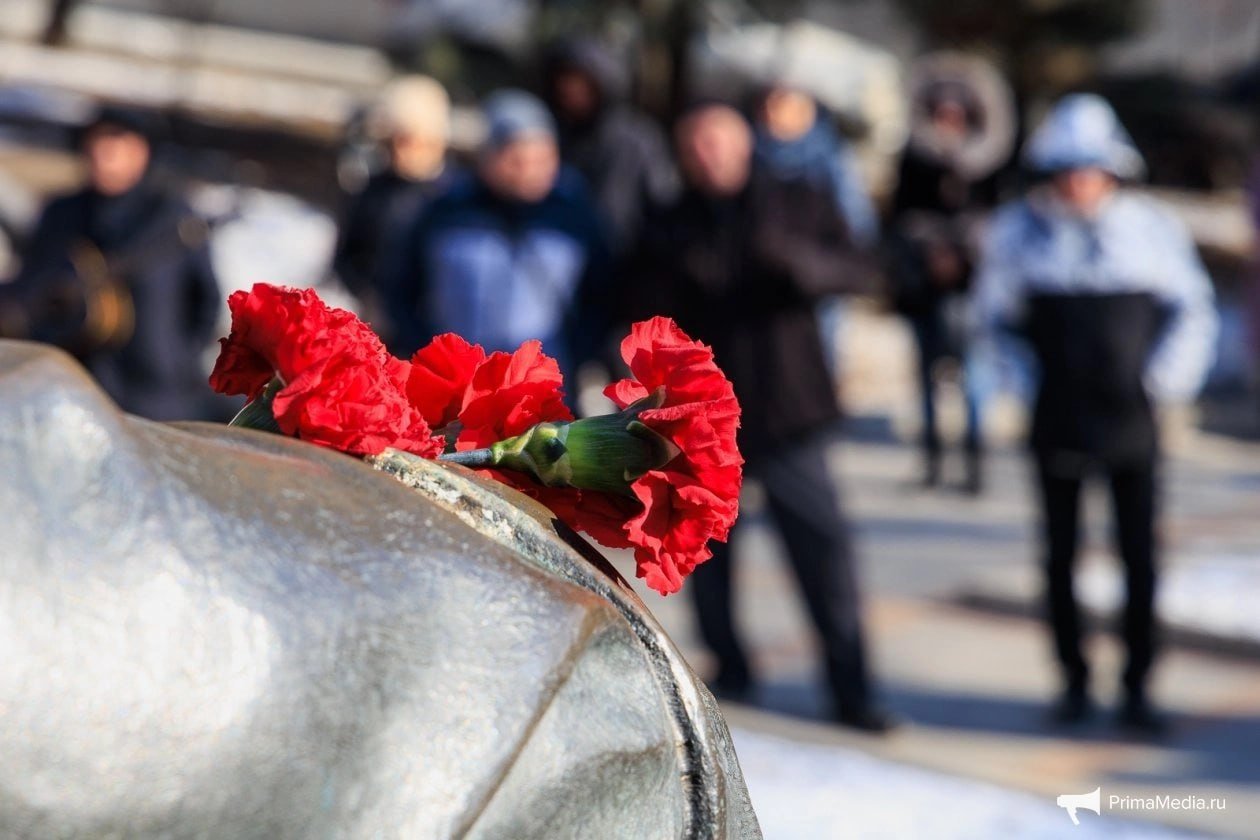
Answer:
(660, 477)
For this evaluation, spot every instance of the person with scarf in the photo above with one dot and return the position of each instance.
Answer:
(794, 140)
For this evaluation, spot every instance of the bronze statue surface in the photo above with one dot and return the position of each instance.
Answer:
(214, 632)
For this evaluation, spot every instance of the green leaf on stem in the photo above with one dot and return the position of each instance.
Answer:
(257, 413)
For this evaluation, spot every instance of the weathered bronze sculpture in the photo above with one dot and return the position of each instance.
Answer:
(213, 632)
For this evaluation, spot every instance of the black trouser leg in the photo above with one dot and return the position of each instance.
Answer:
(805, 504)
(926, 339)
(1133, 499)
(931, 431)
(1060, 500)
(710, 586)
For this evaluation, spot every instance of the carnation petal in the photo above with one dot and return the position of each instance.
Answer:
(441, 372)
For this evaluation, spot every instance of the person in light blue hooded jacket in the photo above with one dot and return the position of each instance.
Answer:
(1105, 286)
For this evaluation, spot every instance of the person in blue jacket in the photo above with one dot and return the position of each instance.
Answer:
(514, 252)
(1106, 288)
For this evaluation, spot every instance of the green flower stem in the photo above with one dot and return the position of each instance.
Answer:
(597, 453)
(257, 413)
(473, 458)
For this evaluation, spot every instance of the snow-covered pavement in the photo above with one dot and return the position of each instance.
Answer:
(816, 792)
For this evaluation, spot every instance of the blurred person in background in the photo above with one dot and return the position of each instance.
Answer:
(516, 252)
(961, 133)
(1252, 299)
(741, 260)
(411, 120)
(622, 153)
(795, 140)
(1107, 288)
(119, 274)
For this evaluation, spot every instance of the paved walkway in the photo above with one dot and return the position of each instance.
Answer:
(975, 683)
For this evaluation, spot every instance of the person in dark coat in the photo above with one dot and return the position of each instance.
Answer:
(947, 184)
(795, 139)
(621, 152)
(126, 238)
(512, 253)
(1107, 289)
(740, 260)
(411, 120)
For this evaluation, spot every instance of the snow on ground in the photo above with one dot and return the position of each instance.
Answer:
(1211, 595)
(806, 791)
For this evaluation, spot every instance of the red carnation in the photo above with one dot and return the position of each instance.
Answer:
(339, 386)
(695, 496)
(357, 405)
(509, 393)
(661, 477)
(441, 372)
(491, 398)
(281, 331)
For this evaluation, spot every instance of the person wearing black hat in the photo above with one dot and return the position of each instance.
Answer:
(119, 274)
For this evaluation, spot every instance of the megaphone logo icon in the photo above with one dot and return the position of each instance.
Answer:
(1072, 801)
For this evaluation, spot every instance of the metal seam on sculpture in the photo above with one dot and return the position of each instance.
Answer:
(580, 642)
(703, 815)
(693, 755)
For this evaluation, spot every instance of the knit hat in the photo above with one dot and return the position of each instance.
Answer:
(512, 114)
(132, 120)
(415, 105)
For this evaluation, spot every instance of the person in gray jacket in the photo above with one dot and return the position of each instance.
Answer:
(1105, 286)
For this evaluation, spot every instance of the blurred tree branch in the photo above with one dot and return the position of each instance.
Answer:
(1046, 45)
(58, 16)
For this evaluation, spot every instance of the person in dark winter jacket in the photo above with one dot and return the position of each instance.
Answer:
(740, 260)
(412, 121)
(947, 184)
(1106, 287)
(796, 140)
(127, 246)
(516, 252)
(622, 153)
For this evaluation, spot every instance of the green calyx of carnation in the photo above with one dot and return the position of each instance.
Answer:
(606, 453)
(257, 413)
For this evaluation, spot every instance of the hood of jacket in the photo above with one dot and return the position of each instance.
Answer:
(1083, 131)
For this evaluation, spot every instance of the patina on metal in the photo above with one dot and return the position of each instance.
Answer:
(215, 632)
